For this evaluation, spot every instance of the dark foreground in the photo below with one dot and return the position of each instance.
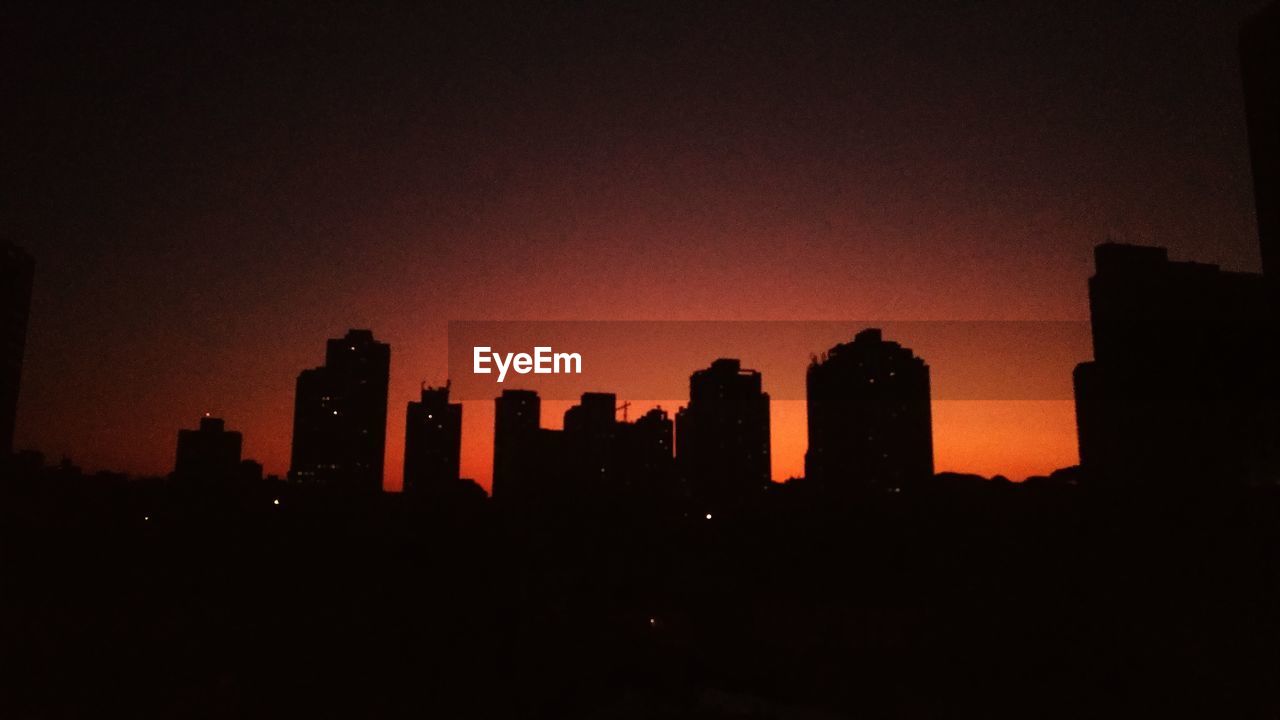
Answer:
(958, 600)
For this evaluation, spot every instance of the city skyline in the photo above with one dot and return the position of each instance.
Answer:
(314, 389)
(979, 197)
(812, 182)
(478, 441)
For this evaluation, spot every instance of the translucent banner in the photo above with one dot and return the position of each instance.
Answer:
(968, 360)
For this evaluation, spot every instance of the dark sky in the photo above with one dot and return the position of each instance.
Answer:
(210, 193)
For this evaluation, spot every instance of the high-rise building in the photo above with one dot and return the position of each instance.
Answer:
(594, 415)
(517, 419)
(722, 435)
(646, 447)
(16, 272)
(1260, 70)
(210, 454)
(432, 442)
(1175, 391)
(590, 438)
(869, 416)
(653, 438)
(606, 456)
(340, 416)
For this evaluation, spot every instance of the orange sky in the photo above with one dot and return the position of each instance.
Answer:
(1014, 438)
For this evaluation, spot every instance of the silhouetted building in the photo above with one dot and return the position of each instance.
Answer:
(547, 462)
(595, 456)
(432, 441)
(722, 435)
(1260, 69)
(16, 272)
(250, 471)
(208, 455)
(606, 456)
(650, 442)
(647, 448)
(516, 421)
(340, 416)
(869, 415)
(590, 437)
(1175, 390)
(595, 415)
